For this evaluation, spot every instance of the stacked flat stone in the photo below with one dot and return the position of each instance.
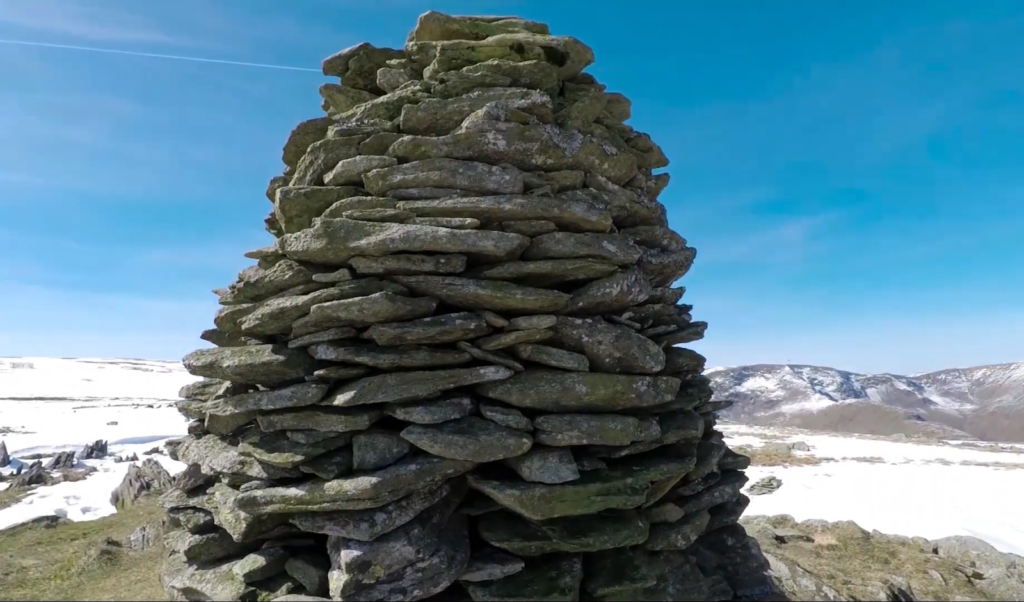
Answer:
(455, 372)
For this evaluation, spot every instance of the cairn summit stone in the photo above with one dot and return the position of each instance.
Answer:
(456, 371)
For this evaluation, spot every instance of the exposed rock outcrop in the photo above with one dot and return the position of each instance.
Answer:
(453, 373)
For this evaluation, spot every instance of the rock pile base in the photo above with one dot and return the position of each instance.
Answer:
(455, 372)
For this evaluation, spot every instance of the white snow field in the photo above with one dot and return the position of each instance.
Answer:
(902, 488)
(49, 405)
(898, 487)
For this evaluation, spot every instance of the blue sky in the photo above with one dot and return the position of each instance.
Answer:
(851, 173)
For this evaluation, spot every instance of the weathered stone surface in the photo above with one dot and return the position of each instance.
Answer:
(394, 216)
(567, 54)
(409, 386)
(371, 309)
(586, 429)
(304, 134)
(680, 534)
(505, 416)
(548, 272)
(324, 336)
(531, 228)
(614, 293)
(490, 357)
(275, 316)
(489, 564)
(622, 486)
(339, 373)
(409, 264)
(349, 172)
(613, 248)
(373, 450)
(260, 564)
(432, 411)
(357, 65)
(544, 147)
(447, 328)
(515, 337)
(256, 284)
(616, 572)
(341, 208)
(358, 492)
(610, 347)
(485, 294)
(458, 223)
(297, 206)
(433, 26)
(574, 216)
(320, 419)
(369, 524)
(552, 357)
(310, 572)
(445, 173)
(555, 578)
(329, 466)
(215, 457)
(254, 364)
(390, 358)
(335, 241)
(545, 465)
(277, 449)
(304, 394)
(437, 117)
(471, 438)
(322, 156)
(557, 391)
(341, 99)
(522, 537)
(419, 559)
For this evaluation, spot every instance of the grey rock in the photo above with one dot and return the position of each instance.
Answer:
(322, 156)
(490, 357)
(552, 357)
(409, 264)
(357, 492)
(255, 364)
(310, 572)
(542, 273)
(441, 116)
(587, 429)
(339, 275)
(256, 284)
(432, 411)
(373, 450)
(378, 144)
(331, 373)
(678, 535)
(335, 241)
(357, 65)
(515, 337)
(574, 216)
(371, 309)
(485, 294)
(260, 564)
(207, 547)
(215, 457)
(556, 578)
(390, 358)
(275, 316)
(349, 172)
(620, 572)
(470, 176)
(369, 524)
(613, 248)
(531, 228)
(341, 99)
(592, 533)
(277, 449)
(140, 480)
(470, 438)
(610, 347)
(764, 486)
(294, 396)
(193, 520)
(339, 209)
(304, 134)
(447, 328)
(614, 293)
(558, 391)
(532, 322)
(395, 216)
(415, 561)
(458, 223)
(622, 486)
(320, 419)
(505, 416)
(545, 465)
(297, 206)
(490, 564)
(329, 466)
(410, 386)
(324, 336)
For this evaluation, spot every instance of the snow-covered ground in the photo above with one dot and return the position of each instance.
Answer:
(907, 488)
(48, 405)
(903, 488)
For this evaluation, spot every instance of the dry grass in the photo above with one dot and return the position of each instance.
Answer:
(9, 497)
(71, 562)
(773, 456)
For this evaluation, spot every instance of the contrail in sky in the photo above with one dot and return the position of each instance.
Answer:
(157, 56)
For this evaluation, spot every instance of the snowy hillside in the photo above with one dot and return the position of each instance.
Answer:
(986, 402)
(59, 378)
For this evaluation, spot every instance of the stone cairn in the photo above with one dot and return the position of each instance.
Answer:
(454, 373)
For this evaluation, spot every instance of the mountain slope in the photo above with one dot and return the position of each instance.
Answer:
(986, 402)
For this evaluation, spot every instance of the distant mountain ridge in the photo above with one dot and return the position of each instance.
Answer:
(984, 402)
